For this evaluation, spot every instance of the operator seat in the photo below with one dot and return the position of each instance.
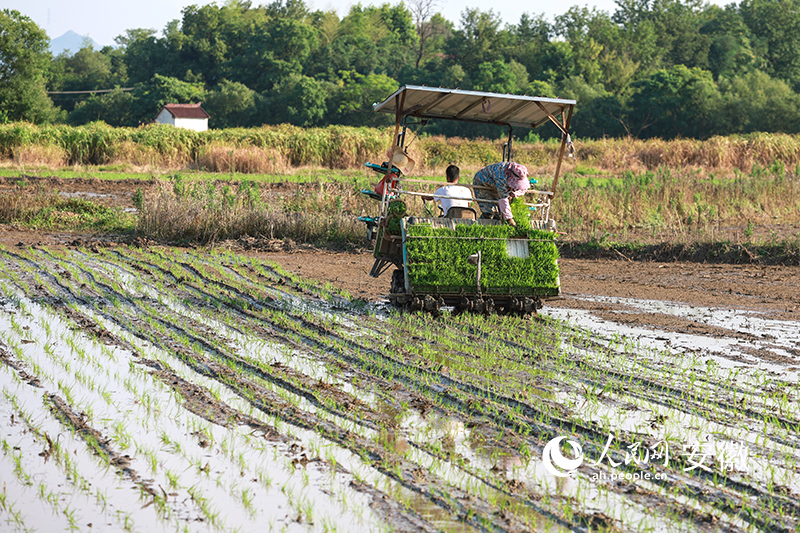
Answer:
(461, 212)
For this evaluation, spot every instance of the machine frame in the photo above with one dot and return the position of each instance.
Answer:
(430, 103)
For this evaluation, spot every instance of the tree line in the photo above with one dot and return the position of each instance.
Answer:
(652, 68)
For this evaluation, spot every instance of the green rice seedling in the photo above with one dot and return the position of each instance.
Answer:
(247, 501)
(437, 259)
(172, 478)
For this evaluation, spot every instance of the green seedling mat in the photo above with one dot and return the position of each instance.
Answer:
(436, 260)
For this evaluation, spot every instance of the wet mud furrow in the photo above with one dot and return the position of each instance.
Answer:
(625, 388)
(700, 383)
(451, 382)
(283, 411)
(624, 394)
(198, 333)
(255, 395)
(181, 328)
(363, 420)
(390, 464)
(101, 445)
(199, 274)
(49, 466)
(83, 396)
(458, 411)
(723, 397)
(477, 412)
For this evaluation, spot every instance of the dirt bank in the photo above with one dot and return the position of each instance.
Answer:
(766, 288)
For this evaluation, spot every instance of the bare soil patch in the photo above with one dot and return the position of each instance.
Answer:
(771, 289)
(109, 193)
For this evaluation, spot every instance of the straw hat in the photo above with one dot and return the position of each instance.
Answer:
(401, 160)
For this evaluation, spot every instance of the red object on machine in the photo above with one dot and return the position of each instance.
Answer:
(390, 177)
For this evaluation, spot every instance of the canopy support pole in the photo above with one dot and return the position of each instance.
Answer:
(507, 145)
(399, 103)
(564, 134)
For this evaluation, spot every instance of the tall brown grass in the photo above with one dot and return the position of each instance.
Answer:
(667, 205)
(717, 154)
(281, 148)
(206, 212)
(45, 155)
(241, 159)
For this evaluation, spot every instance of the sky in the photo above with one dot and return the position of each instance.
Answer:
(103, 20)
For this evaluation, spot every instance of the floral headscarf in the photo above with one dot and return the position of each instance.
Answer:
(517, 177)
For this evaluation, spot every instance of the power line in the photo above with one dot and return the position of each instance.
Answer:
(96, 91)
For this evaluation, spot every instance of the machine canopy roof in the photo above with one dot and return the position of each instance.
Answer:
(473, 106)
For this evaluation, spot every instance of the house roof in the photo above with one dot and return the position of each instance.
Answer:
(185, 110)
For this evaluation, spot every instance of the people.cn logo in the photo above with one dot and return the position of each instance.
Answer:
(556, 463)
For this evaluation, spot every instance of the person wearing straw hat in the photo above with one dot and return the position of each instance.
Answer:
(504, 182)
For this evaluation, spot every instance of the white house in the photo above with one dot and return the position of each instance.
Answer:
(189, 116)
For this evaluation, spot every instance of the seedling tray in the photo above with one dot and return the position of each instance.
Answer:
(436, 259)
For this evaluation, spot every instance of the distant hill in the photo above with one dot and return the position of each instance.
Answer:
(71, 41)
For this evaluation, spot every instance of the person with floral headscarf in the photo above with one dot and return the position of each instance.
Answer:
(504, 182)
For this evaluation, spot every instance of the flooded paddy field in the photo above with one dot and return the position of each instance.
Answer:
(167, 389)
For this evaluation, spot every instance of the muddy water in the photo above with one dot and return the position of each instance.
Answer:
(741, 337)
(748, 347)
(212, 390)
(221, 468)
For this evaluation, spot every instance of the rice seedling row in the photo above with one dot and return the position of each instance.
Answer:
(444, 420)
(197, 494)
(284, 408)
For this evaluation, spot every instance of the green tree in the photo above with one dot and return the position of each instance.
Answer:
(298, 100)
(585, 30)
(371, 40)
(85, 70)
(677, 101)
(278, 50)
(231, 104)
(287, 9)
(677, 24)
(150, 97)
(730, 51)
(24, 60)
(619, 71)
(775, 25)
(479, 40)
(201, 43)
(351, 103)
(527, 42)
(756, 102)
(114, 108)
(145, 55)
(495, 76)
(598, 113)
(638, 33)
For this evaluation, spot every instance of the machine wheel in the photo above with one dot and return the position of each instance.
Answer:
(487, 306)
(398, 288)
(398, 282)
